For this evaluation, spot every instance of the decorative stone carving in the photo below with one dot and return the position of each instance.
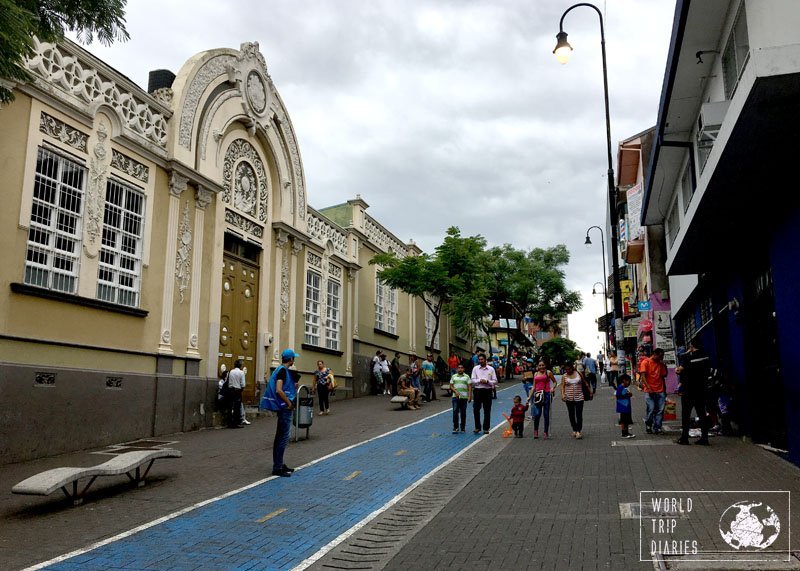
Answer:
(297, 165)
(297, 246)
(210, 71)
(166, 336)
(129, 166)
(351, 274)
(203, 197)
(281, 239)
(335, 271)
(52, 127)
(256, 93)
(314, 261)
(96, 192)
(177, 184)
(74, 81)
(348, 370)
(207, 121)
(244, 195)
(164, 95)
(284, 285)
(381, 238)
(182, 257)
(323, 231)
(239, 221)
(193, 341)
(242, 162)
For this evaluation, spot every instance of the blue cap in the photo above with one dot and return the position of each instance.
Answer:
(288, 355)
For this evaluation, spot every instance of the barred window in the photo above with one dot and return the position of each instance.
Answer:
(119, 274)
(379, 305)
(312, 308)
(391, 310)
(54, 238)
(332, 315)
(689, 327)
(706, 310)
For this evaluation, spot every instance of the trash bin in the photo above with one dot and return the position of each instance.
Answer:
(305, 412)
(670, 412)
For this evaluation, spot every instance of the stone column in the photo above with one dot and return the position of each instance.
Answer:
(177, 184)
(297, 247)
(352, 301)
(201, 201)
(281, 309)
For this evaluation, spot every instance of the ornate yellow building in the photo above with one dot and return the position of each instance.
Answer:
(150, 237)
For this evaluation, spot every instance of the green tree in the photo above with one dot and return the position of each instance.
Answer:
(558, 351)
(451, 280)
(21, 20)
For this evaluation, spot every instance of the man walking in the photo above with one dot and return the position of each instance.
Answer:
(236, 384)
(590, 370)
(694, 370)
(484, 379)
(653, 371)
(462, 394)
(279, 396)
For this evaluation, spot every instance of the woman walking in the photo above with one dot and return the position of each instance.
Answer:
(613, 370)
(323, 385)
(540, 397)
(572, 386)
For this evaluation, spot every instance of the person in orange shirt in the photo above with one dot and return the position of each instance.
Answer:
(453, 362)
(653, 371)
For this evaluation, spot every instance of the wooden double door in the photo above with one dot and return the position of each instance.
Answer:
(238, 335)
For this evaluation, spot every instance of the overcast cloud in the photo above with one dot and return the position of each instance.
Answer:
(441, 113)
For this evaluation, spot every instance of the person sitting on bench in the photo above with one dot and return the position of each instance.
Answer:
(404, 389)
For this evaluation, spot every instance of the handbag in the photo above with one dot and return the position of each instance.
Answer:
(587, 391)
(538, 397)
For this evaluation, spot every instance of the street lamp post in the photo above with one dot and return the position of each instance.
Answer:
(588, 242)
(562, 52)
(605, 308)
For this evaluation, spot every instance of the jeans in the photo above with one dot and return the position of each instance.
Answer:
(459, 413)
(518, 428)
(542, 409)
(696, 400)
(482, 398)
(427, 389)
(323, 392)
(612, 378)
(234, 407)
(591, 378)
(282, 433)
(575, 411)
(655, 410)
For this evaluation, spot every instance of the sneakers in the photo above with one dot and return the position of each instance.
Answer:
(287, 469)
(486, 432)
(628, 436)
(462, 430)
(574, 434)
(648, 430)
(282, 473)
(245, 421)
(578, 436)
(455, 431)
(476, 431)
(545, 436)
(536, 434)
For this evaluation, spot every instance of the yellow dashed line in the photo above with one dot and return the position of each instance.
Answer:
(271, 515)
(400, 452)
(353, 475)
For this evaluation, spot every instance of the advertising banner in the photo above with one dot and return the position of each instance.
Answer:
(634, 197)
(663, 336)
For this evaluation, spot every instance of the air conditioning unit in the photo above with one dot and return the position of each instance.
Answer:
(711, 117)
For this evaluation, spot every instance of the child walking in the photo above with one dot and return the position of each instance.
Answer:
(624, 396)
(518, 416)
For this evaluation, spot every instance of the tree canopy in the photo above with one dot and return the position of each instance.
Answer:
(450, 280)
(558, 351)
(21, 20)
(469, 282)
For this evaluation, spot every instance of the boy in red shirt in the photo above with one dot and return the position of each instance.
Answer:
(518, 416)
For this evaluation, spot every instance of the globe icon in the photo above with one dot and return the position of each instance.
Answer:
(749, 525)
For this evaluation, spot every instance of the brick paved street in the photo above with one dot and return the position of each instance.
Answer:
(557, 504)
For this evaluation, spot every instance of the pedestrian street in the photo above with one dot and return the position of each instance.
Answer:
(278, 523)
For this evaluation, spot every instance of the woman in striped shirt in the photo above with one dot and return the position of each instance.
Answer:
(572, 384)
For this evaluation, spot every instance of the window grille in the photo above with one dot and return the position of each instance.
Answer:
(312, 308)
(54, 237)
(333, 315)
(120, 265)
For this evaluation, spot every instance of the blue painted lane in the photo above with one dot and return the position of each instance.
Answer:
(322, 501)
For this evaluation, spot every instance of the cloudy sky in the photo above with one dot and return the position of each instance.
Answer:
(441, 112)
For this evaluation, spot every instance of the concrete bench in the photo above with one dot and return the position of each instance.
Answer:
(129, 463)
(402, 401)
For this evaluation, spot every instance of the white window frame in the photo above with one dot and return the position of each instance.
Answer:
(312, 306)
(119, 273)
(56, 230)
(673, 223)
(333, 312)
(735, 52)
(385, 307)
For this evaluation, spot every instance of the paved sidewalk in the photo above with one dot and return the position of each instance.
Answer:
(34, 529)
(563, 503)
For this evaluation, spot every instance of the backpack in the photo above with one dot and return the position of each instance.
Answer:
(270, 399)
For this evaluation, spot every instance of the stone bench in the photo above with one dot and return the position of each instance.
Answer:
(401, 400)
(128, 463)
